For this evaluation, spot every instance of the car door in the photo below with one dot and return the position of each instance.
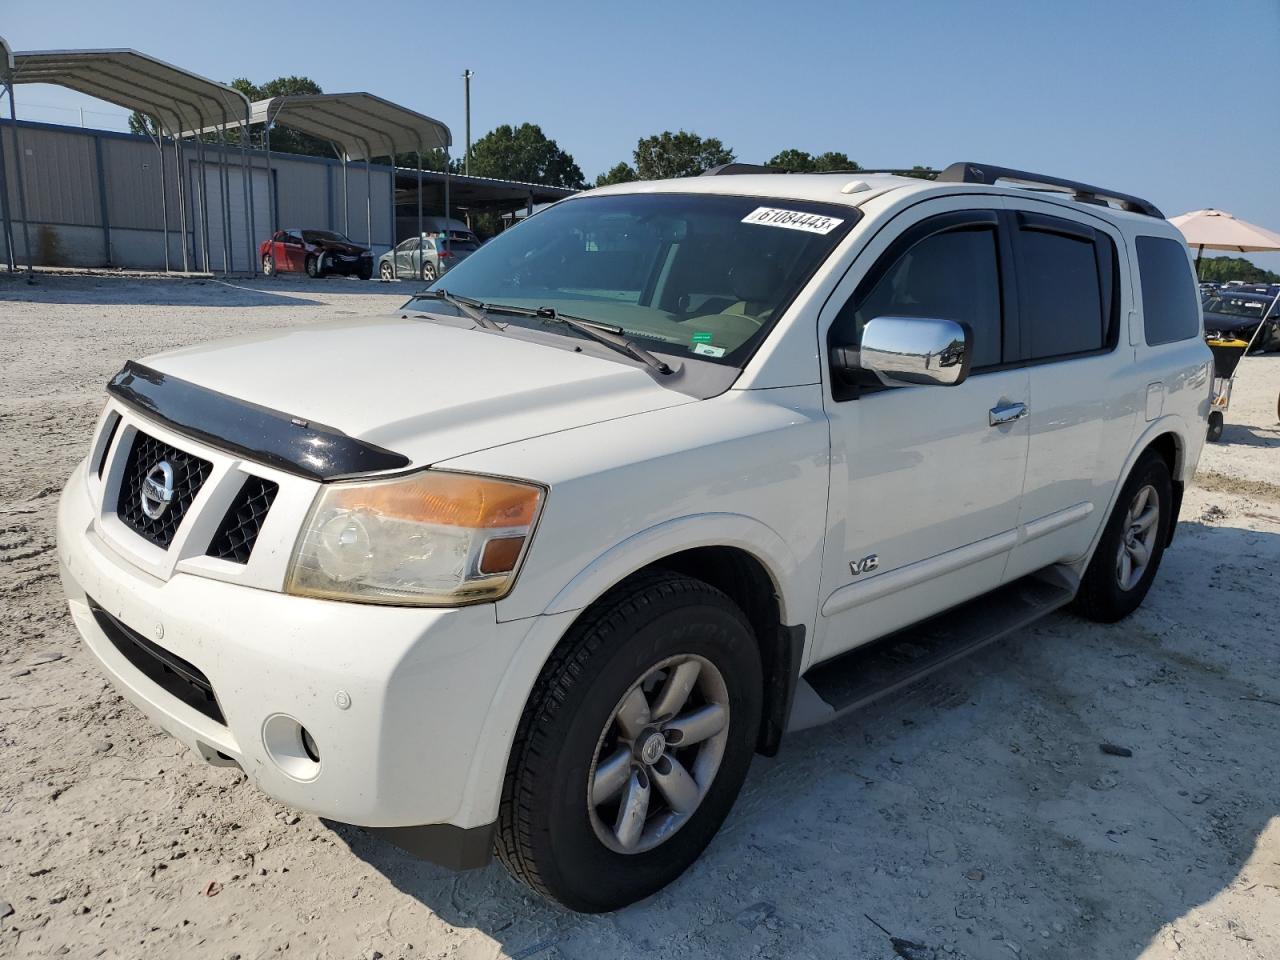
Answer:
(1085, 392)
(925, 480)
(293, 250)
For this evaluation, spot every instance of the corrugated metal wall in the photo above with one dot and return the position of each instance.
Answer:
(63, 168)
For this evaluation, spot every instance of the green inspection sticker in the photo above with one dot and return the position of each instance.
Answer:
(702, 336)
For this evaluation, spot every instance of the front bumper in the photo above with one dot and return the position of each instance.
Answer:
(400, 701)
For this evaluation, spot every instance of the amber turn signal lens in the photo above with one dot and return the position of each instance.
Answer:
(500, 555)
(449, 499)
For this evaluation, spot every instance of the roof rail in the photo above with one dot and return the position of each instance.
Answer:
(726, 169)
(983, 173)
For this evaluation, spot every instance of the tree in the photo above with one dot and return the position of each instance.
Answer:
(140, 123)
(921, 173)
(798, 161)
(680, 154)
(1222, 269)
(619, 173)
(524, 153)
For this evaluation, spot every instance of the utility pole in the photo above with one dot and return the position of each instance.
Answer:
(466, 157)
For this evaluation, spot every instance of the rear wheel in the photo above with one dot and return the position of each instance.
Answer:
(1128, 555)
(1216, 424)
(633, 746)
(268, 265)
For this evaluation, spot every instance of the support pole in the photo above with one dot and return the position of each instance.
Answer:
(420, 257)
(246, 188)
(180, 171)
(368, 202)
(164, 194)
(224, 199)
(346, 200)
(447, 246)
(271, 180)
(9, 255)
(466, 157)
(202, 198)
(17, 173)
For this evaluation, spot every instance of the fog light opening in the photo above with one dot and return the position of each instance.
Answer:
(291, 747)
(309, 745)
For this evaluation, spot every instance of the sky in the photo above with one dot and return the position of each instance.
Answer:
(1177, 102)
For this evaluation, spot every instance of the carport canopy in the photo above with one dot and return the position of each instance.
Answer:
(359, 125)
(178, 99)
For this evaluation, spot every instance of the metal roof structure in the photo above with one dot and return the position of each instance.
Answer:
(176, 99)
(179, 99)
(360, 125)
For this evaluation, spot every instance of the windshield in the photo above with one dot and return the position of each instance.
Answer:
(686, 274)
(1235, 306)
(311, 236)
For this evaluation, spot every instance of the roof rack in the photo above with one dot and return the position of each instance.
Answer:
(983, 173)
(726, 169)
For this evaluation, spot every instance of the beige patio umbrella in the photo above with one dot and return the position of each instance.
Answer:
(1219, 230)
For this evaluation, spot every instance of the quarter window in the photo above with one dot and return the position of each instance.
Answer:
(1168, 294)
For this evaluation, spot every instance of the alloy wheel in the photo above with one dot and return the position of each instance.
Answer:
(1138, 539)
(658, 754)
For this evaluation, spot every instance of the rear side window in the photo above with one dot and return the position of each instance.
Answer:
(1168, 293)
(1065, 282)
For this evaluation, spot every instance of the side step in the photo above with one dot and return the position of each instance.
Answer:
(855, 679)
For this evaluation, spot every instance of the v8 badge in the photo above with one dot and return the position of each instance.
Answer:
(865, 565)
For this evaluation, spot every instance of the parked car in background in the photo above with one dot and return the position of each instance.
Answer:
(1236, 314)
(428, 259)
(315, 252)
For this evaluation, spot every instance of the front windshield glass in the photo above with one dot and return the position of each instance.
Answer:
(693, 275)
(1234, 306)
(311, 236)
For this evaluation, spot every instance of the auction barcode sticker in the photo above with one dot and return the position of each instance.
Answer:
(792, 220)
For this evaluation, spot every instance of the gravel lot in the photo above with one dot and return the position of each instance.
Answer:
(973, 816)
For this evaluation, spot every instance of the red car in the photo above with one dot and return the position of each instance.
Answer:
(318, 252)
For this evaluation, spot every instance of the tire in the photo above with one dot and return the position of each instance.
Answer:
(268, 265)
(1103, 597)
(365, 272)
(551, 835)
(428, 273)
(313, 267)
(1216, 424)
(385, 272)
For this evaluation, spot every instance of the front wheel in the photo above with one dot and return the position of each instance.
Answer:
(429, 273)
(365, 271)
(268, 265)
(1128, 555)
(633, 745)
(313, 267)
(385, 272)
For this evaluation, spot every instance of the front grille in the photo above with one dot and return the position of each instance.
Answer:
(189, 475)
(167, 670)
(239, 529)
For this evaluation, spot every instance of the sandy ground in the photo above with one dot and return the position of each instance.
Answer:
(973, 816)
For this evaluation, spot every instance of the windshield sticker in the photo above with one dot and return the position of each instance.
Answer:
(702, 336)
(707, 350)
(793, 220)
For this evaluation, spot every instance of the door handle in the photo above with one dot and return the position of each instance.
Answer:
(1007, 413)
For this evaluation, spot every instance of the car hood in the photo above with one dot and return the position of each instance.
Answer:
(337, 246)
(424, 389)
(1229, 321)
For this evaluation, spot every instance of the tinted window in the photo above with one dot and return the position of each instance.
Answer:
(1168, 292)
(1060, 294)
(948, 276)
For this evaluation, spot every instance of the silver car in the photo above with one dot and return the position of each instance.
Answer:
(427, 257)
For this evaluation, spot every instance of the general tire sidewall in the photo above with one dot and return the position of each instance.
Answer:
(570, 844)
(1151, 471)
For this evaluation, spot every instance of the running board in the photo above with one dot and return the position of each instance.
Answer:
(867, 673)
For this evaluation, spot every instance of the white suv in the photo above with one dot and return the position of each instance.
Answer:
(539, 562)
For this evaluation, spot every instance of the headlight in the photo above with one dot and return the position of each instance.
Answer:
(430, 539)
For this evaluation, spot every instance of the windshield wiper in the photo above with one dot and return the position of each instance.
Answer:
(472, 309)
(607, 334)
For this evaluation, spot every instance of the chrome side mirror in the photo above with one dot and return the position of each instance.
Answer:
(907, 351)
